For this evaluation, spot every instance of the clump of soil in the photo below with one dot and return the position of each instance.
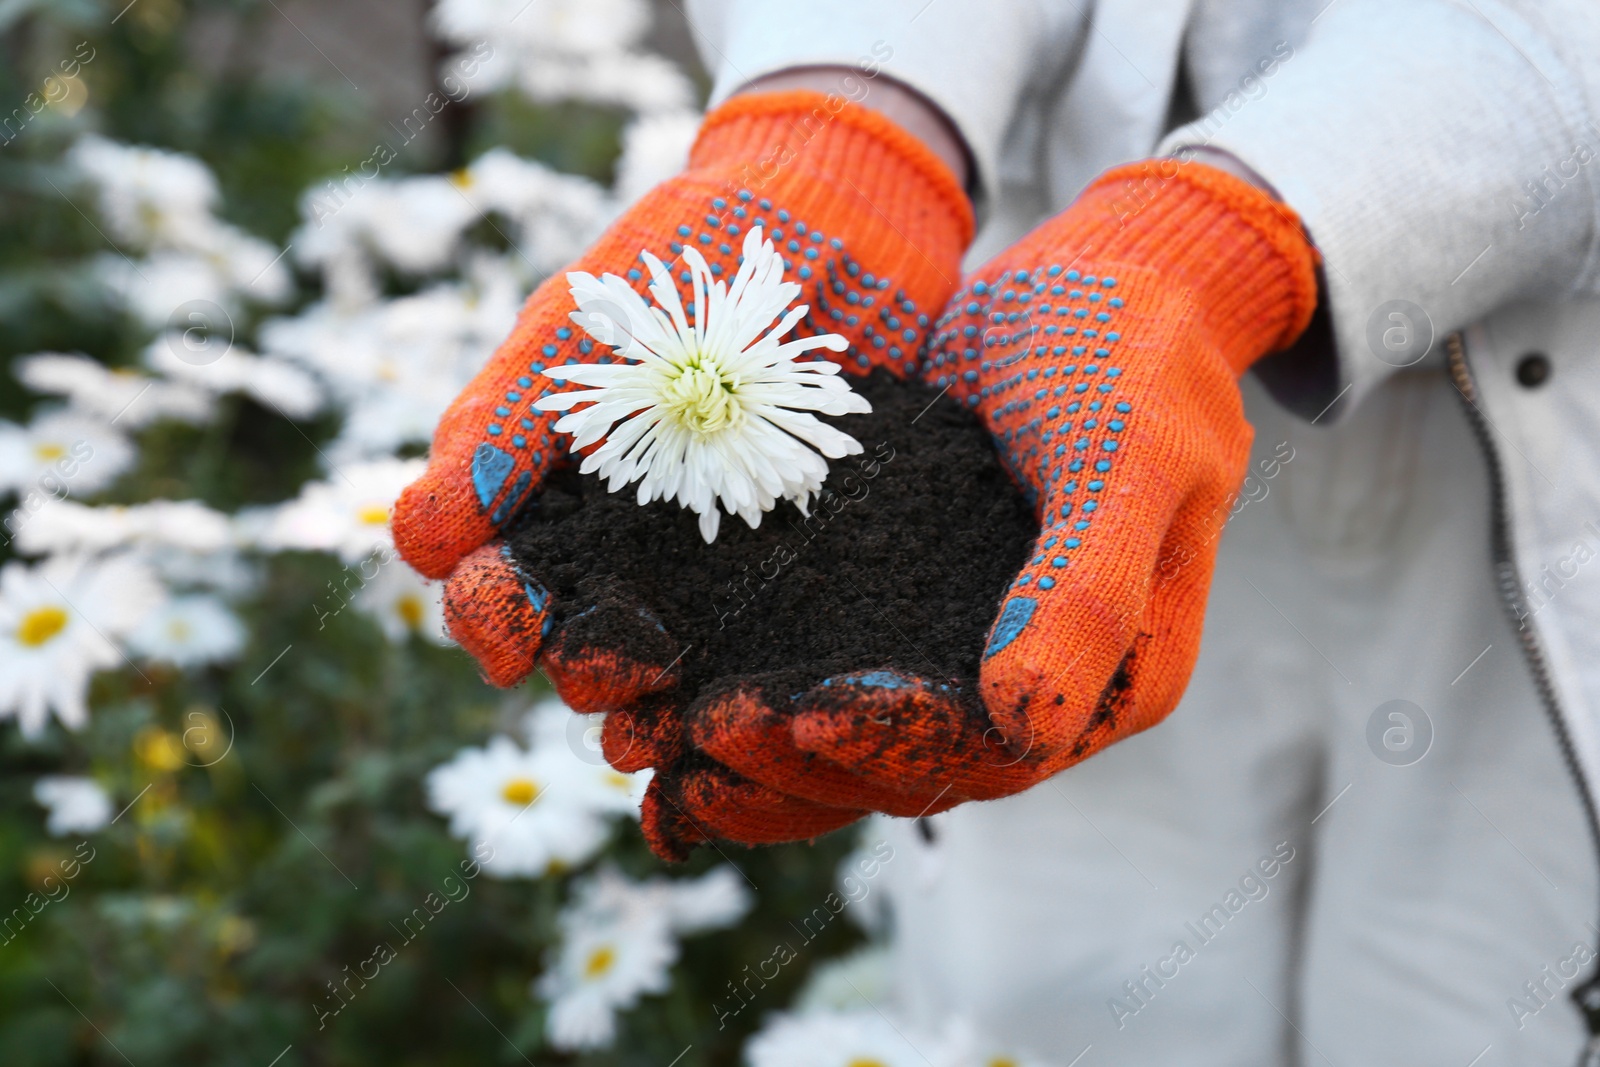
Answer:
(901, 564)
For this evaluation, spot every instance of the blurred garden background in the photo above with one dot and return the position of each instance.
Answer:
(254, 810)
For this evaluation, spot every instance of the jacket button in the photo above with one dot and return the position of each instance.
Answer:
(1533, 370)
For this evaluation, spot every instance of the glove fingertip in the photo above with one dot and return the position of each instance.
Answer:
(496, 614)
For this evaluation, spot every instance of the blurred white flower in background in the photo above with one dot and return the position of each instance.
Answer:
(413, 223)
(162, 203)
(148, 197)
(68, 526)
(134, 400)
(620, 940)
(348, 514)
(229, 368)
(845, 1039)
(654, 148)
(396, 365)
(60, 621)
(853, 982)
(563, 50)
(195, 630)
(539, 808)
(75, 804)
(554, 216)
(62, 451)
(404, 604)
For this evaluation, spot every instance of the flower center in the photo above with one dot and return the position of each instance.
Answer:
(40, 625)
(373, 515)
(599, 962)
(520, 791)
(409, 608)
(47, 451)
(703, 398)
(862, 1061)
(178, 630)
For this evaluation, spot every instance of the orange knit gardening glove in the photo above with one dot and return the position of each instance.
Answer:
(871, 224)
(1102, 351)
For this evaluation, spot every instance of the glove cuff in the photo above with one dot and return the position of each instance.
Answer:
(854, 160)
(1243, 255)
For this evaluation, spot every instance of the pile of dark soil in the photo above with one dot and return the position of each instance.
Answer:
(902, 563)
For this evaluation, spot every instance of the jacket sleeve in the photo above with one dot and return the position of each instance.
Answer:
(1442, 155)
(972, 58)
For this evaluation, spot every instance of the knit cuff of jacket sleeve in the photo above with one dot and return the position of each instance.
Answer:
(1437, 157)
(972, 73)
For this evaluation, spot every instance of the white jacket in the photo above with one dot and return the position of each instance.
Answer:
(1441, 153)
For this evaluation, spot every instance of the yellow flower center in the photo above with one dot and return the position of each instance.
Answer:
(461, 179)
(703, 397)
(179, 630)
(409, 608)
(40, 625)
(599, 962)
(373, 515)
(621, 781)
(520, 791)
(49, 451)
(159, 748)
(862, 1061)
(1002, 1061)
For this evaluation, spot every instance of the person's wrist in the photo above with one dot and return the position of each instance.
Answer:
(900, 104)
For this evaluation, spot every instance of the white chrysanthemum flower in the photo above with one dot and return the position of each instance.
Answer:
(846, 1039)
(68, 526)
(58, 624)
(619, 940)
(230, 368)
(76, 805)
(133, 399)
(717, 411)
(189, 631)
(403, 603)
(537, 808)
(348, 514)
(62, 452)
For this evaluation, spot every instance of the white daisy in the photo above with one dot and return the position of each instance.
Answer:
(58, 624)
(403, 603)
(154, 287)
(853, 982)
(845, 1039)
(60, 452)
(606, 962)
(537, 808)
(619, 939)
(76, 805)
(189, 631)
(716, 900)
(133, 399)
(147, 197)
(716, 411)
(68, 526)
(654, 148)
(277, 384)
(348, 514)
(556, 215)
(396, 364)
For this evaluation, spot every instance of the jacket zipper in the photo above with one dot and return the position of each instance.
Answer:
(1587, 995)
